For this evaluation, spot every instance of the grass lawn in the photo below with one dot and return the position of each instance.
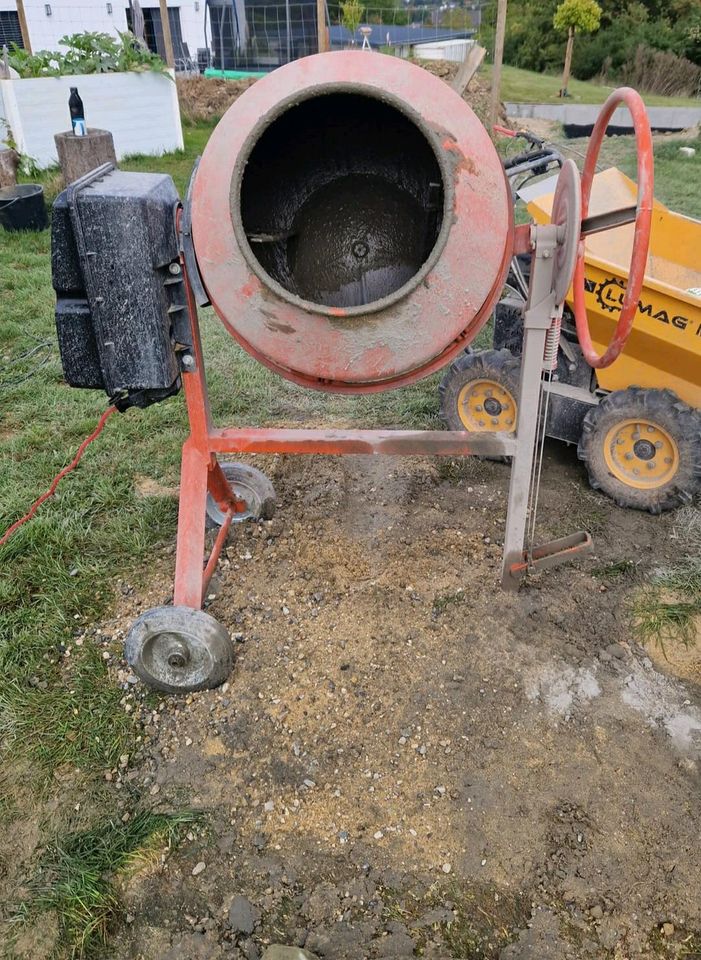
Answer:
(58, 710)
(526, 86)
(677, 178)
(57, 569)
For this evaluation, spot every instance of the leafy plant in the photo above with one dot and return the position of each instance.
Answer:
(25, 164)
(351, 16)
(533, 42)
(86, 53)
(43, 63)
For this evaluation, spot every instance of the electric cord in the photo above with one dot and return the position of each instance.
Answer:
(59, 476)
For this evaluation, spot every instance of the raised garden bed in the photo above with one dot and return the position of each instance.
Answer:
(140, 109)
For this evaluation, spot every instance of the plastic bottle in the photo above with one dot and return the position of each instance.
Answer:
(75, 105)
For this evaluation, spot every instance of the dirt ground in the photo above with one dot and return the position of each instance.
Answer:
(407, 761)
(208, 98)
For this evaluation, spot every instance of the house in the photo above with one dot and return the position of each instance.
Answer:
(236, 35)
(48, 21)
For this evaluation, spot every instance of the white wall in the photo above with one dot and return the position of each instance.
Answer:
(140, 110)
(68, 16)
(77, 16)
(454, 50)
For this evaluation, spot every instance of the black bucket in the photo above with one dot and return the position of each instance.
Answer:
(23, 208)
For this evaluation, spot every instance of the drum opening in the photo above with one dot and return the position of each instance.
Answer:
(342, 202)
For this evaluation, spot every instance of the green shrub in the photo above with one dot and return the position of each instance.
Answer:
(86, 53)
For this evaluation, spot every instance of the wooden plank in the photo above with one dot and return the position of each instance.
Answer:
(24, 29)
(468, 68)
(167, 38)
(321, 26)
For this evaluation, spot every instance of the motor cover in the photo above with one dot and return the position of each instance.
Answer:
(121, 314)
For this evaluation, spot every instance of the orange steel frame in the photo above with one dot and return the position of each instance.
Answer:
(201, 473)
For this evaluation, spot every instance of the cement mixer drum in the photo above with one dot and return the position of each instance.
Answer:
(352, 222)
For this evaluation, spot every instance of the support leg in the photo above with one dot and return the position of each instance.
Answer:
(541, 313)
(522, 463)
(191, 528)
(537, 318)
(220, 489)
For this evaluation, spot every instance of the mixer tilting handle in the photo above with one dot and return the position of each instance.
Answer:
(643, 223)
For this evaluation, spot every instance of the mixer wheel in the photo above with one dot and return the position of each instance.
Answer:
(178, 650)
(643, 449)
(479, 393)
(248, 484)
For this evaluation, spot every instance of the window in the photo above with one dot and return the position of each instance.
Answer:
(9, 29)
(153, 31)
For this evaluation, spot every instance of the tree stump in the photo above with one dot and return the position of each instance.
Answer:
(79, 155)
(9, 161)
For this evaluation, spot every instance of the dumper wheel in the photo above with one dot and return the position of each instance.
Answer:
(249, 484)
(643, 449)
(178, 650)
(479, 393)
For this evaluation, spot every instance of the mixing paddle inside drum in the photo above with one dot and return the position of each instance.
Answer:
(341, 200)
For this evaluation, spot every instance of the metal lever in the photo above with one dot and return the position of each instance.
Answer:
(606, 221)
(553, 553)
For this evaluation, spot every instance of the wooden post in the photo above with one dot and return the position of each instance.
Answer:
(568, 62)
(167, 38)
(323, 33)
(498, 58)
(24, 29)
(79, 155)
(9, 162)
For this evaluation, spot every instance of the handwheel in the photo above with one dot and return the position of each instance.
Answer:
(643, 223)
(566, 213)
(178, 650)
(248, 484)
(643, 449)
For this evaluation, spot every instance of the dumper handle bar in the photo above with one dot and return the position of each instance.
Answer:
(531, 163)
(640, 214)
(535, 161)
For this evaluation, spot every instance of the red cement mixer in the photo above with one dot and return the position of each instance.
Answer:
(351, 224)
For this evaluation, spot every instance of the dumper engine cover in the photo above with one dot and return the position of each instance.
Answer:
(352, 222)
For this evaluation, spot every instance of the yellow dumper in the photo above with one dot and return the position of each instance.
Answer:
(637, 423)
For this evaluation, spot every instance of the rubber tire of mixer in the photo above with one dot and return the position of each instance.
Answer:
(187, 626)
(243, 479)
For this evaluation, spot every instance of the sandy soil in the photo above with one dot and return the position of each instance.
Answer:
(208, 98)
(407, 761)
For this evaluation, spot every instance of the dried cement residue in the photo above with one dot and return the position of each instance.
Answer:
(664, 703)
(562, 688)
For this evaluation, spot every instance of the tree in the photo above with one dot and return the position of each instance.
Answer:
(351, 16)
(571, 16)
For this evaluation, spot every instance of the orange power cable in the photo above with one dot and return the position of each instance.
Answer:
(57, 479)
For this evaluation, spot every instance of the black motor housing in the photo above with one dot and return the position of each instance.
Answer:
(121, 315)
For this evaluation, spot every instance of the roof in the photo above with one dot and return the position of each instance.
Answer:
(387, 35)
